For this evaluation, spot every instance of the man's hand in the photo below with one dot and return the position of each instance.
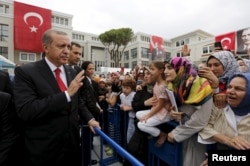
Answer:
(75, 84)
(93, 123)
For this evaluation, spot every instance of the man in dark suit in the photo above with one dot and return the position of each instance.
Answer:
(74, 56)
(8, 129)
(47, 102)
(5, 84)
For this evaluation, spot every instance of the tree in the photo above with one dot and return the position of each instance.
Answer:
(116, 41)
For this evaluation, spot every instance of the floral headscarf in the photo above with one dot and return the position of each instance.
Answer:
(244, 107)
(188, 87)
(229, 63)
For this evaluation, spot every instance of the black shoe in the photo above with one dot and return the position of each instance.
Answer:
(93, 162)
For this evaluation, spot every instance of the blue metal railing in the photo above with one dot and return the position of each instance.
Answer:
(118, 148)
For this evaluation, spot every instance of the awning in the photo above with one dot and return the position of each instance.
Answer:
(6, 63)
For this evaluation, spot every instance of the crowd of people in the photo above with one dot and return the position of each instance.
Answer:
(40, 113)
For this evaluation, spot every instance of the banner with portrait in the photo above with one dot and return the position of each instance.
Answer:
(243, 41)
(156, 48)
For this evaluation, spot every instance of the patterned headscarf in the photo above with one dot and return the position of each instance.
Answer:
(188, 87)
(229, 63)
(244, 107)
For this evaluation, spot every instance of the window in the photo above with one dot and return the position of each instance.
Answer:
(78, 36)
(144, 52)
(126, 65)
(207, 49)
(167, 44)
(126, 55)
(182, 42)
(211, 48)
(145, 63)
(62, 21)
(177, 44)
(59, 20)
(98, 64)
(95, 38)
(134, 53)
(31, 57)
(4, 31)
(66, 22)
(179, 54)
(145, 38)
(4, 51)
(134, 63)
(187, 41)
(4, 8)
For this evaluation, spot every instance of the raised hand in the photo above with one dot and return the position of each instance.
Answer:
(185, 51)
(75, 84)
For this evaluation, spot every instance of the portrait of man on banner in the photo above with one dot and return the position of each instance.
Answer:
(156, 47)
(243, 41)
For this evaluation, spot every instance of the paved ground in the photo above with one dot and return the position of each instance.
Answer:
(96, 151)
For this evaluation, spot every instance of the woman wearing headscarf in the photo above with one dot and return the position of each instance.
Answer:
(193, 95)
(137, 145)
(222, 65)
(229, 127)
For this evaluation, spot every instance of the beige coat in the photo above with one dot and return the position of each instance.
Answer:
(193, 152)
(223, 121)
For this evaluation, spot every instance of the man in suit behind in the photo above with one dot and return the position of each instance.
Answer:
(74, 56)
(50, 113)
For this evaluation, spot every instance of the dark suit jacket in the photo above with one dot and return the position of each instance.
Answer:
(8, 126)
(51, 122)
(89, 93)
(5, 84)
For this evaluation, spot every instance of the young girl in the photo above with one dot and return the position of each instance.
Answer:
(158, 114)
(128, 92)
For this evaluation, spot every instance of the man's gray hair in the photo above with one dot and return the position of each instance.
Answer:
(47, 39)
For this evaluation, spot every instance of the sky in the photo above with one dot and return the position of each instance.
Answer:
(164, 18)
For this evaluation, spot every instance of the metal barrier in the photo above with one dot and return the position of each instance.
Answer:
(169, 153)
(118, 149)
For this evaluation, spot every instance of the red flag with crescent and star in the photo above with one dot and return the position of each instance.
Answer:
(227, 41)
(30, 22)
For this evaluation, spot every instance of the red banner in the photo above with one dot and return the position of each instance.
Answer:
(30, 22)
(227, 41)
(156, 47)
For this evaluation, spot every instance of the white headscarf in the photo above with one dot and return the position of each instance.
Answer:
(229, 63)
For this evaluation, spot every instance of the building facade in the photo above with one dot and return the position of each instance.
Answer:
(136, 52)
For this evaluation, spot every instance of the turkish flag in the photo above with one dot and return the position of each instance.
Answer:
(227, 41)
(30, 22)
(156, 47)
